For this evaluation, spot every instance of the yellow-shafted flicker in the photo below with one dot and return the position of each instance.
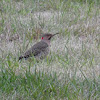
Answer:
(40, 49)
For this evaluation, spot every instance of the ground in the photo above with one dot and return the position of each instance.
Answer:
(74, 60)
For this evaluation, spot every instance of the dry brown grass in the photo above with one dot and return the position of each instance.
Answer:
(77, 28)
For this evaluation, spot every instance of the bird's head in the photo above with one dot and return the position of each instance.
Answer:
(48, 36)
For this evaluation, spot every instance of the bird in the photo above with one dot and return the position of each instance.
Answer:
(41, 49)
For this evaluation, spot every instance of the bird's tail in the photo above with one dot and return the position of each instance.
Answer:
(21, 57)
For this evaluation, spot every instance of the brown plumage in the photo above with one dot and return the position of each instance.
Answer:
(40, 49)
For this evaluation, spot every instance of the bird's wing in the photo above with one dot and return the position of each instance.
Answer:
(36, 49)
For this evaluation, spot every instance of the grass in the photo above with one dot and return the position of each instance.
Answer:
(44, 85)
(71, 71)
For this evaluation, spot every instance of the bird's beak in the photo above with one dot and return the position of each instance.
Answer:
(52, 35)
(55, 34)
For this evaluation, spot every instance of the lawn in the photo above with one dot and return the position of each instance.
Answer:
(72, 69)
